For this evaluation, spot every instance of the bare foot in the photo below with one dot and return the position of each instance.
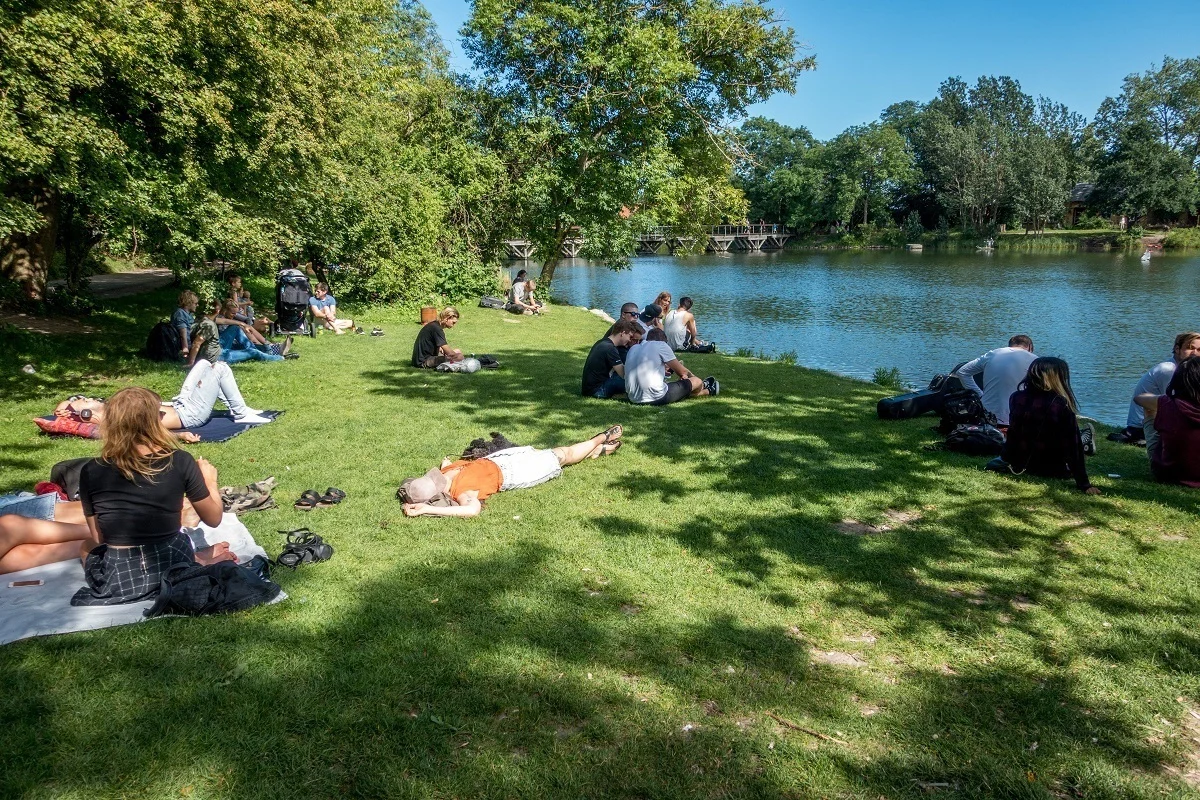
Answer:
(212, 555)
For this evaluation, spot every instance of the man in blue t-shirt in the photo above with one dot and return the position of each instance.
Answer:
(324, 308)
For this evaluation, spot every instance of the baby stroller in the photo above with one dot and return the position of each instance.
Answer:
(292, 314)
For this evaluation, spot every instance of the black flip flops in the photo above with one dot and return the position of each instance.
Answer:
(310, 499)
(303, 547)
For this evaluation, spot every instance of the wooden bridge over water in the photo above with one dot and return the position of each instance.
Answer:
(721, 239)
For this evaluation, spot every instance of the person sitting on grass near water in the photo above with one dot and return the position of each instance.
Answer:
(604, 369)
(430, 348)
(680, 328)
(1043, 433)
(645, 374)
(324, 309)
(1003, 370)
(457, 488)
(1154, 382)
(522, 300)
(192, 407)
(1172, 426)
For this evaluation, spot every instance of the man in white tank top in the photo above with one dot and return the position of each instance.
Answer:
(680, 327)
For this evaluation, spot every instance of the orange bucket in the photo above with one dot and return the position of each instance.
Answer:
(428, 314)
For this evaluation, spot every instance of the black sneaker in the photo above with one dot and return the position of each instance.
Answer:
(713, 386)
(1088, 435)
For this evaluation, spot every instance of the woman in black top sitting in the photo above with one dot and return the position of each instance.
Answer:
(1043, 429)
(132, 499)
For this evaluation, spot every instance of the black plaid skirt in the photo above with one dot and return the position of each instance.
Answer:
(117, 575)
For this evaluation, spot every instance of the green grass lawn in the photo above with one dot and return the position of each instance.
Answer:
(683, 619)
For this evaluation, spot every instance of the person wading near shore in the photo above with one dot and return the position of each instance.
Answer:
(1154, 382)
(1003, 370)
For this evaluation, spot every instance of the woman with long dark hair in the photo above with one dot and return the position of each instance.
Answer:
(1172, 427)
(1043, 429)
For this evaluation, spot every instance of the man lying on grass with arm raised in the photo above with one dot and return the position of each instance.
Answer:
(457, 488)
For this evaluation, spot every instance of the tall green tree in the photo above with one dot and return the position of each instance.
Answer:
(870, 163)
(604, 92)
(781, 172)
(1151, 138)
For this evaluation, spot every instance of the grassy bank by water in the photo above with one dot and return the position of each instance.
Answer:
(1050, 241)
(765, 594)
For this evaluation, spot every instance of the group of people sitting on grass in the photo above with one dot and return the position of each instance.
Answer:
(638, 354)
(1035, 408)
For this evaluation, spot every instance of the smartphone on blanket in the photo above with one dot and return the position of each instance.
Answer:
(16, 584)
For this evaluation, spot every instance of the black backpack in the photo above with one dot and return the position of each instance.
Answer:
(224, 587)
(163, 343)
(963, 408)
(976, 440)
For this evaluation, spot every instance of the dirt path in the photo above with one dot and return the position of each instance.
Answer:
(104, 287)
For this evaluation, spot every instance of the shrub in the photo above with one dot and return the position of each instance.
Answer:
(1182, 239)
(888, 378)
(744, 352)
(943, 229)
(789, 357)
(913, 229)
(1090, 222)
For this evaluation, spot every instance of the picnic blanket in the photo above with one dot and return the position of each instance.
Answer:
(219, 428)
(27, 611)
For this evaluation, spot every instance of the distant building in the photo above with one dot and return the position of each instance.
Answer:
(1077, 203)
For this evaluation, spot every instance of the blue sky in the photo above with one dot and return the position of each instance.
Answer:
(871, 54)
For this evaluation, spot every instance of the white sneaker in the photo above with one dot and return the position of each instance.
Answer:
(252, 419)
(255, 412)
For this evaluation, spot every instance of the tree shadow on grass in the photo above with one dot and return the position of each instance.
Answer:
(502, 676)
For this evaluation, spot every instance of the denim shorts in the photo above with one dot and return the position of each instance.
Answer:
(34, 506)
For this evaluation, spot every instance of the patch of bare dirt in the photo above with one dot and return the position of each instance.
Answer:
(1173, 537)
(1189, 729)
(836, 658)
(48, 326)
(893, 518)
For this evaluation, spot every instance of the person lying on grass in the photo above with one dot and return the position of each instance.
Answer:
(205, 384)
(457, 488)
(126, 526)
(1172, 426)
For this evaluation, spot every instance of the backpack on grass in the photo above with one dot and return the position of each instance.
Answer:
(976, 440)
(163, 343)
(963, 408)
(492, 302)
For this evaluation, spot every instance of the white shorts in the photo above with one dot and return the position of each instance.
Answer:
(522, 467)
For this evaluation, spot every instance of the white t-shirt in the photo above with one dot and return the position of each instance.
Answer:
(518, 292)
(1153, 382)
(1003, 370)
(675, 328)
(645, 373)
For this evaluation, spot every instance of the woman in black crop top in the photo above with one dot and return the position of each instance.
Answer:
(132, 497)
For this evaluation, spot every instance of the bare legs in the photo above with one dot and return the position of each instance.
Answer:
(601, 444)
(27, 542)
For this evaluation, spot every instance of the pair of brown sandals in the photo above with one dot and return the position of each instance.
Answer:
(311, 499)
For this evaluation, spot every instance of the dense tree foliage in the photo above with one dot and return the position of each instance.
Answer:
(612, 106)
(984, 155)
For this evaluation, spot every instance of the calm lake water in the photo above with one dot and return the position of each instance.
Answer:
(850, 312)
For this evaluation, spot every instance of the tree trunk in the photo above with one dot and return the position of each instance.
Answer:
(866, 207)
(25, 257)
(78, 239)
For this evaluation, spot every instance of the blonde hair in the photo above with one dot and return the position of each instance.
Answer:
(230, 307)
(187, 296)
(132, 422)
(658, 301)
(1050, 374)
(447, 312)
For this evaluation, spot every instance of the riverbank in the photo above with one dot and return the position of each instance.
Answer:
(763, 594)
(1056, 241)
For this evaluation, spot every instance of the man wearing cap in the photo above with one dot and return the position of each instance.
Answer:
(646, 369)
(457, 488)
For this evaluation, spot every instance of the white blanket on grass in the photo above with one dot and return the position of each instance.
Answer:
(27, 611)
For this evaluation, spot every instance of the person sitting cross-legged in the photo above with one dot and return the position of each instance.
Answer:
(646, 366)
(1154, 382)
(324, 309)
(457, 488)
(430, 348)
(604, 369)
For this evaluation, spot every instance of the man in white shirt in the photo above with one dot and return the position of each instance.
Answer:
(645, 374)
(1003, 370)
(1154, 382)
(680, 327)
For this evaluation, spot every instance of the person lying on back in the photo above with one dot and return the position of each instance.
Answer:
(1154, 382)
(604, 369)
(430, 348)
(457, 488)
(1003, 370)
